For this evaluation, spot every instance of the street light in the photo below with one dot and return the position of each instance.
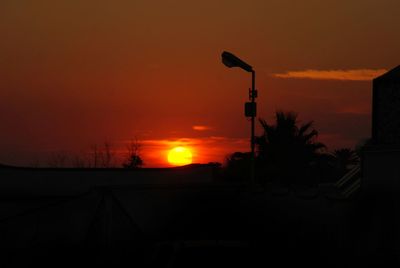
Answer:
(230, 60)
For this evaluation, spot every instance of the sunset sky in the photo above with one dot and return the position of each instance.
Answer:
(77, 73)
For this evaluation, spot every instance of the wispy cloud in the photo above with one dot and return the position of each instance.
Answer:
(344, 75)
(201, 128)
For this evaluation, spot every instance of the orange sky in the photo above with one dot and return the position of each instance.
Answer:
(75, 73)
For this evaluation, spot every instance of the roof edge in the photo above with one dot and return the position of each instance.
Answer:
(391, 75)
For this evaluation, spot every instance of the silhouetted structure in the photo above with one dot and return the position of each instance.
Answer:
(379, 216)
(381, 157)
(386, 108)
(230, 61)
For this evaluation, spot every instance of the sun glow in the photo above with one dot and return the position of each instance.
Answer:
(180, 156)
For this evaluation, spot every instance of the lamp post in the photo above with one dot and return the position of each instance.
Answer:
(230, 60)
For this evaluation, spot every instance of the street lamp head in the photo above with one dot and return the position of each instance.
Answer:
(230, 60)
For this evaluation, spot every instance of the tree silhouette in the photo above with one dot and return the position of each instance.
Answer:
(58, 160)
(107, 155)
(133, 159)
(102, 156)
(237, 166)
(287, 151)
(343, 159)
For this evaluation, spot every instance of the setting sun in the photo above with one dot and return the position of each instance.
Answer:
(180, 156)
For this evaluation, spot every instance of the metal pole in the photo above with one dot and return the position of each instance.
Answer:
(253, 96)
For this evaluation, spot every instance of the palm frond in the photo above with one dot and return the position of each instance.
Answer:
(303, 129)
(310, 136)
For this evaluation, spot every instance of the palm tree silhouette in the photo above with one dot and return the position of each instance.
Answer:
(287, 151)
(344, 158)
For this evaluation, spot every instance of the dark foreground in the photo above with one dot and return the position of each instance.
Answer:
(203, 225)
